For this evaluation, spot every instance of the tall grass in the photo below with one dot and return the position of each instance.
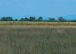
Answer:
(38, 23)
(37, 40)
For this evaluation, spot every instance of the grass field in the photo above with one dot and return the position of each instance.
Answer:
(37, 40)
(38, 23)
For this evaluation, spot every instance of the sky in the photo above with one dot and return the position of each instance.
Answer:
(45, 8)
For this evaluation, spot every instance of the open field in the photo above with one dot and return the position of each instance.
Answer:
(16, 39)
(38, 23)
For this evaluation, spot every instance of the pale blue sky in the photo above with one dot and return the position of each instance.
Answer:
(45, 8)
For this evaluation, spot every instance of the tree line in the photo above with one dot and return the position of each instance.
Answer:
(31, 18)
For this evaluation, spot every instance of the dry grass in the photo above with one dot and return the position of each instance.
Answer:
(38, 23)
(37, 40)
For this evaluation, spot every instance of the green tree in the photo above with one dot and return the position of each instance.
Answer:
(73, 20)
(6, 19)
(9, 19)
(52, 19)
(3, 19)
(26, 19)
(32, 18)
(22, 19)
(15, 20)
(40, 18)
(61, 19)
